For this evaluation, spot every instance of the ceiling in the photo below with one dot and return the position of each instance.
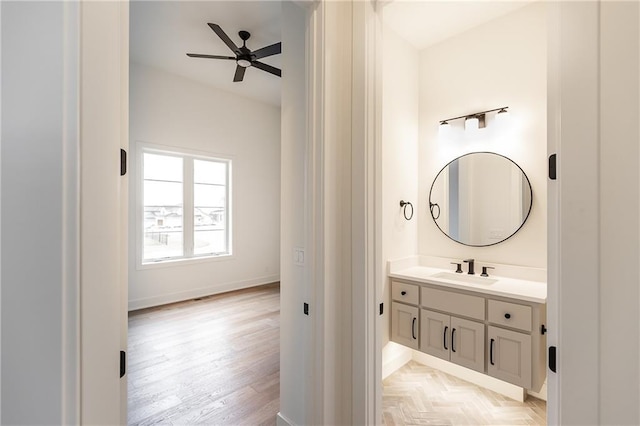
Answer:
(425, 23)
(162, 32)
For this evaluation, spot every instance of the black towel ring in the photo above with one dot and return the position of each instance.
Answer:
(404, 205)
(431, 207)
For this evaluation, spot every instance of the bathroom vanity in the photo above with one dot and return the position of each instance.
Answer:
(493, 325)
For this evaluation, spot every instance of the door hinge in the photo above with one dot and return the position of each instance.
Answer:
(381, 308)
(552, 358)
(552, 167)
(123, 363)
(123, 162)
(305, 308)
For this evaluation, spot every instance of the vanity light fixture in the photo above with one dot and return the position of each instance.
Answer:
(477, 120)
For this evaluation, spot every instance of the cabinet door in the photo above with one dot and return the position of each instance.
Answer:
(434, 334)
(404, 324)
(510, 356)
(467, 343)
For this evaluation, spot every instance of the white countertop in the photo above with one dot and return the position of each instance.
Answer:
(531, 291)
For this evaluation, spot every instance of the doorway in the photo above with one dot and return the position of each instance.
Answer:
(456, 57)
(204, 197)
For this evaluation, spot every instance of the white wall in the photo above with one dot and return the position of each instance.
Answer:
(33, 138)
(295, 327)
(169, 110)
(400, 98)
(619, 276)
(500, 63)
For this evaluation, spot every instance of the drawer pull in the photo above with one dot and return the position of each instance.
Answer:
(413, 328)
(491, 352)
(507, 315)
(453, 339)
(444, 338)
(404, 293)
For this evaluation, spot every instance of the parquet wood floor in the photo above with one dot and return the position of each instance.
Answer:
(213, 361)
(420, 395)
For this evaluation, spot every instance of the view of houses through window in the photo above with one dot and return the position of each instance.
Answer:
(185, 206)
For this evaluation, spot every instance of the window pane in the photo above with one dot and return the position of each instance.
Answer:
(209, 241)
(158, 193)
(205, 195)
(213, 172)
(163, 209)
(162, 167)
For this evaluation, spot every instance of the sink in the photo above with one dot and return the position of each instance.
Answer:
(464, 278)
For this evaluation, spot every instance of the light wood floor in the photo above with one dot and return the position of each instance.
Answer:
(214, 361)
(420, 395)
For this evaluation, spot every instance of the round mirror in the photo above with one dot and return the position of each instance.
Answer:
(480, 199)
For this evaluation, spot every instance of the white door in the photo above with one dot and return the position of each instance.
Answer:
(103, 105)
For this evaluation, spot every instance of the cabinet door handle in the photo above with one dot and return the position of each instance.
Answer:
(453, 339)
(444, 338)
(413, 328)
(403, 293)
(507, 315)
(491, 352)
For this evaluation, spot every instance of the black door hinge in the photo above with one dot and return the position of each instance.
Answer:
(305, 308)
(552, 358)
(381, 308)
(552, 167)
(123, 363)
(123, 162)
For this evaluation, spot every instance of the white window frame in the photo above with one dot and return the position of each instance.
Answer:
(188, 189)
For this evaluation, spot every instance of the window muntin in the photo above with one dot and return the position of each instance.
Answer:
(185, 206)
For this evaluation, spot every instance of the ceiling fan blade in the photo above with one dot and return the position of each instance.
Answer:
(274, 49)
(224, 37)
(239, 73)
(267, 68)
(197, 55)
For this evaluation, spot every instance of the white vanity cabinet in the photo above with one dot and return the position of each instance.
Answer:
(495, 335)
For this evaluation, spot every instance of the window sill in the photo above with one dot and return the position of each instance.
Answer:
(183, 262)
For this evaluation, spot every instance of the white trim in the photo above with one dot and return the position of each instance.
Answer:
(394, 357)
(315, 215)
(71, 218)
(148, 302)
(281, 420)
(553, 137)
(0, 222)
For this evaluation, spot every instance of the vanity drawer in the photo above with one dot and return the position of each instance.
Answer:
(403, 292)
(454, 303)
(510, 315)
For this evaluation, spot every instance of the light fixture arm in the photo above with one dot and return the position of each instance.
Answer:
(475, 114)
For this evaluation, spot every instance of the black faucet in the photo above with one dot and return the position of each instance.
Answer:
(470, 262)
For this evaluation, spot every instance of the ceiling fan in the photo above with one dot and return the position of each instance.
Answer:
(244, 58)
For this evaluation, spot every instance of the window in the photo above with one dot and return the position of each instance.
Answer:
(185, 206)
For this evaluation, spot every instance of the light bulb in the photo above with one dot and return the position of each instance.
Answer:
(444, 129)
(471, 124)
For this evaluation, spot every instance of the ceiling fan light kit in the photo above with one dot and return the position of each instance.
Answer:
(244, 56)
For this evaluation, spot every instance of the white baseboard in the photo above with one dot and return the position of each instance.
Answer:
(540, 395)
(480, 379)
(283, 421)
(394, 356)
(163, 299)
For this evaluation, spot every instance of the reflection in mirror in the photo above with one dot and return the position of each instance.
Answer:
(480, 199)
